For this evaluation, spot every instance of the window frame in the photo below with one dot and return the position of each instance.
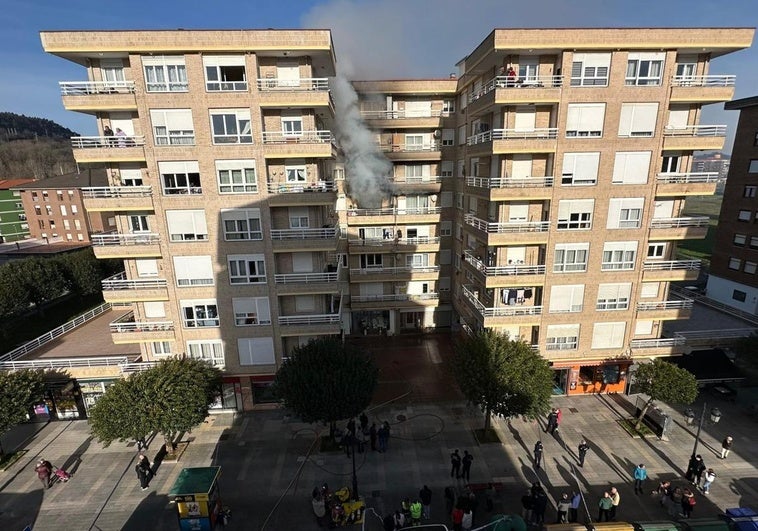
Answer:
(248, 276)
(618, 256)
(574, 251)
(238, 216)
(216, 357)
(243, 184)
(204, 313)
(241, 128)
(165, 64)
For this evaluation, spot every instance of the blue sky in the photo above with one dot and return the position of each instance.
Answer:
(373, 38)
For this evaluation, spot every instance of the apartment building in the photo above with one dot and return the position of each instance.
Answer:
(539, 192)
(13, 223)
(732, 276)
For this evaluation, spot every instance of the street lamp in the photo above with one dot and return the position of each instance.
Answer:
(690, 415)
(353, 440)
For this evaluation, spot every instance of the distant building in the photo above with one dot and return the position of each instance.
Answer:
(715, 162)
(55, 211)
(13, 223)
(733, 278)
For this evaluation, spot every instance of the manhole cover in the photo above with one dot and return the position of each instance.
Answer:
(573, 410)
(401, 418)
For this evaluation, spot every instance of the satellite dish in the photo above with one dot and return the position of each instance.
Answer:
(433, 197)
(437, 133)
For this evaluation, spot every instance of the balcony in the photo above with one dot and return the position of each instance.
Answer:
(665, 310)
(98, 96)
(510, 233)
(693, 183)
(386, 119)
(399, 273)
(429, 150)
(280, 144)
(503, 90)
(418, 244)
(502, 315)
(505, 276)
(694, 137)
(642, 348)
(118, 198)
(393, 301)
(302, 193)
(376, 216)
(689, 228)
(288, 240)
(118, 288)
(121, 245)
(505, 188)
(427, 183)
(302, 92)
(312, 324)
(702, 89)
(126, 330)
(90, 149)
(308, 283)
(670, 270)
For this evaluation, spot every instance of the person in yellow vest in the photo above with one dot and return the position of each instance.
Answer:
(416, 512)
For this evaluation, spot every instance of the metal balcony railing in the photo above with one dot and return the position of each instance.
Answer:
(540, 133)
(86, 88)
(704, 81)
(671, 265)
(305, 234)
(300, 187)
(690, 177)
(115, 238)
(378, 242)
(127, 324)
(302, 137)
(88, 142)
(402, 114)
(326, 318)
(505, 82)
(506, 227)
(393, 270)
(657, 343)
(266, 84)
(426, 179)
(412, 147)
(306, 278)
(120, 282)
(500, 311)
(116, 192)
(393, 211)
(65, 363)
(677, 223)
(683, 304)
(396, 297)
(507, 182)
(695, 130)
(511, 269)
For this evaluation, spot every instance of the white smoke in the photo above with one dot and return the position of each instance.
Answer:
(367, 170)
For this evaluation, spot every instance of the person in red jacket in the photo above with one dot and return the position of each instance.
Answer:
(457, 516)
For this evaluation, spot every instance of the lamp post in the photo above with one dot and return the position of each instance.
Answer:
(715, 417)
(353, 439)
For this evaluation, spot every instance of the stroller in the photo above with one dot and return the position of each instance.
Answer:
(61, 475)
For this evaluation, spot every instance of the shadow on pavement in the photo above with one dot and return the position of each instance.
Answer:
(18, 510)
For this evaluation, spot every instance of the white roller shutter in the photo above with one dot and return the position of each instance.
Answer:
(568, 298)
(302, 262)
(521, 166)
(608, 335)
(256, 351)
(518, 211)
(631, 167)
(193, 270)
(679, 117)
(187, 166)
(223, 60)
(154, 310)
(146, 267)
(525, 119)
(643, 328)
(638, 119)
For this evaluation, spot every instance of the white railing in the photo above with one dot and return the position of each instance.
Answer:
(671, 265)
(120, 282)
(36, 343)
(733, 333)
(396, 297)
(426, 179)
(695, 130)
(304, 234)
(540, 133)
(303, 137)
(392, 211)
(657, 343)
(326, 318)
(403, 147)
(128, 368)
(500, 311)
(307, 278)
(704, 81)
(305, 83)
(396, 115)
(127, 324)
(691, 177)
(115, 238)
(378, 242)
(511, 269)
(297, 188)
(85, 142)
(393, 270)
(116, 192)
(684, 304)
(507, 227)
(516, 82)
(84, 88)
(64, 363)
(506, 182)
(675, 223)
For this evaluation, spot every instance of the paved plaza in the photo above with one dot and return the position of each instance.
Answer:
(269, 465)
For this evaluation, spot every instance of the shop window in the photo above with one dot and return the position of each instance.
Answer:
(587, 374)
(611, 374)
(262, 393)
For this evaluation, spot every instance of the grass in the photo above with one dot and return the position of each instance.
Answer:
(7, 460)
(628, 426)
(701, 249)
(489, 436)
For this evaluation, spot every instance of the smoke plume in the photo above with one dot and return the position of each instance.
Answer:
(367, 170)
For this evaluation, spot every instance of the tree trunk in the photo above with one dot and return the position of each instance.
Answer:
(168, 443)
(642, 414)
(487, 420)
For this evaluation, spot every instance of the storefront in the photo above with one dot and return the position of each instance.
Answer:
(577, 378)
(243, 393)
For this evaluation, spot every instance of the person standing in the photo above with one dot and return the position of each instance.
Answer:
(455, 464)
(540, 505)
(383, 435)
(416, 511)
(399, 520)
(364, 421)
(564, 504)
(605, 505)
(108, 134)
(372, 436)
(144, 471)
(699, 471)
(425, 495)
(319, 506)
(43, 470)
(688, 503)
(552, 419)
(710, 476)
(527, 505)
(467, 460)
(467, 522)
(121, 136)
(576, 500)
(640, 475)
(457, 517)
(538, 449)
(558, 419)
(615, 500)
(583, 449)
(726, 446)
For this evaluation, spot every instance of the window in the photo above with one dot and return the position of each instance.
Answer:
(246, 268)
(670, 161)
(199, 313)
(78, 223)
(165, 73)
(131, 175)
(417, 260)
(74, 210)
(256, 351)
(138, 223)
(193, 270)
(236, 176)
(750, 268)
(292, 123)
(251, 311)
(575, 214)
(172, 127)
(749, 191)
(631, 167)
(637, 119)
(448, 137)
(231, 126)
(154, 310)
(446, 199)
(566, 299)
(744, 215)
(146, 267)
(66, 223)
(562, 337)
(608, 335)
(625, 213)
(211, 351)
(619, 256)
(613, 296)
(735, 263)
(590, 69)
(754, 242)
(298, 217)
(63, 210)
(181, 177)
(446, 228)
(570, 257)
(739, 240)
(739, 296)
(448, 106)
(414, 142)
(161, 348)
(186, 225)
(446, 168)
(644, 68)
(585, 119)
(368, 261)
(296, 173)
(225, 73)
(462, 135)
(656, 250)
(649, 290)
(242, 224)
(579, 169)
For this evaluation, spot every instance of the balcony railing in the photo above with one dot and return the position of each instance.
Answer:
(685, 178)
(304, 234)
(393, 211)
(115, 238)
(393, 270)
(65, 363)
(303, 137)
(511, 269)
(704, 81)
(540, 133)
(684, 304)
(426, 179)
(506, 182)
(396, 297)
(127, 324)
(676, 223)
(87, 142)
(85, 88)
(404, 147)
(120, 282)
(300, 187)
(695, 130)
(657, 343)
(399, 115)
(115, 192)
(516, 83)
(378, 242)
(306, 83)
(326, 318)
(507, 227)
(671, 265)
(305, 278)
(500, 311)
